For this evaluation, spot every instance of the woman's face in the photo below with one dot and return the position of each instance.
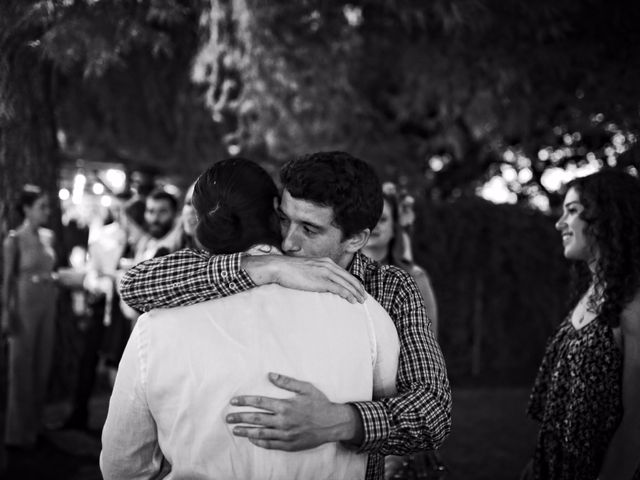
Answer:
(189, 218)
(38, 212)
(383, 233)
(577, 244)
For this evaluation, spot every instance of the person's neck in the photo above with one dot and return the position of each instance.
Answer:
(30, 227)
(379, 254)
(346, 261)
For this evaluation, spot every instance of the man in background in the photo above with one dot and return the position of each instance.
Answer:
(160, 217)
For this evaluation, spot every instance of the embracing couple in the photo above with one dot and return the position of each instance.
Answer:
(281, 378)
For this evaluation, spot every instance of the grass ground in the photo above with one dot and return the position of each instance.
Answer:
(491, 440)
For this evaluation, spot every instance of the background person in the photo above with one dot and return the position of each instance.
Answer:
(107, 329)
(390, 244)
(162, 236)
(587, 392)
(182, 365)
(188, 221)
(29, 296)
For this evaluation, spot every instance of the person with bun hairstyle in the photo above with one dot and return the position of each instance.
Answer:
(170, 401)
(29, 296)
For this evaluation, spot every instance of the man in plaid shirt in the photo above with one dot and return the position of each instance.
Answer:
(330, 203)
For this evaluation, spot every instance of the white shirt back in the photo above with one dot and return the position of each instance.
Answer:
(183, 365)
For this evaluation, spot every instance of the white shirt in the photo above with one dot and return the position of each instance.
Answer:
(182, 366)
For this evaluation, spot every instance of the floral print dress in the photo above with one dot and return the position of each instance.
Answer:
(577, 398)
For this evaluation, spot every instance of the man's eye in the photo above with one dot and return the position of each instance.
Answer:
(310, 231)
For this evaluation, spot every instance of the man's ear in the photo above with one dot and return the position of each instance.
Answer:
(276, 203)
(356, 241)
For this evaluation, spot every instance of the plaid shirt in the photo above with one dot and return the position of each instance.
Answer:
(417, 418)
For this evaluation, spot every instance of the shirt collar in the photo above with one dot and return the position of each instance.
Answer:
(263, 249)
(358, 266)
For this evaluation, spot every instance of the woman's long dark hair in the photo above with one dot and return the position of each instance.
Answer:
(233, 200)
(396, 247)
(611, 200)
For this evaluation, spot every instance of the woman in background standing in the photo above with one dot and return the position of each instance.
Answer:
(390, 244)
(587, 392)
(29, 295)
(188, 220)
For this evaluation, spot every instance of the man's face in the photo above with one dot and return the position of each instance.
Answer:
(38, 213)
(308, 230)
(159, 216)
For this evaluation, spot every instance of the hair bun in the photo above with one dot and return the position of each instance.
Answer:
(218, 228)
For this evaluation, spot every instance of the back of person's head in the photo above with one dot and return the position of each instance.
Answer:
(27, 197)
(611, 201)
(338, 180)
(160, 194)
(234, 201)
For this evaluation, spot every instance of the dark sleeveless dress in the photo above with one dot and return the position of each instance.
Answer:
(577, 398)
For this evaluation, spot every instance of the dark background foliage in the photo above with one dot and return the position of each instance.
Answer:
(501, 283)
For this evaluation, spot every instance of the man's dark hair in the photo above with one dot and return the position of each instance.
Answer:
(162, 194)
(234, 203)
(338, 180)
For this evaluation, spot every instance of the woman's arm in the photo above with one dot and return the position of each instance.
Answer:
(10, 255)
(623, 455)
(430, 303)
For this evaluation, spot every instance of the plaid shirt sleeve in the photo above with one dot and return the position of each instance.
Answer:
(182, 278)
(419, 415)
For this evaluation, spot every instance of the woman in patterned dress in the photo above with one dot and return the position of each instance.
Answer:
(587, 392)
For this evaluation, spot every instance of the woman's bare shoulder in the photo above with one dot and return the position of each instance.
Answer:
(630, 318)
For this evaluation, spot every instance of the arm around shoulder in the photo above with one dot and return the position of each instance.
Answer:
(182, 278)
(310, 274)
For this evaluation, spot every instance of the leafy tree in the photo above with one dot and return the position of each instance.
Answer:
(446, 93)
(100, 80)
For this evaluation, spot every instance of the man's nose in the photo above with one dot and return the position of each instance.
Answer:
(289, 241)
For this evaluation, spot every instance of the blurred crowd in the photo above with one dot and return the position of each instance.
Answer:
(95, 255)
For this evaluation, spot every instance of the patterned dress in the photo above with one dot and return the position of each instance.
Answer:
(577, 398)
